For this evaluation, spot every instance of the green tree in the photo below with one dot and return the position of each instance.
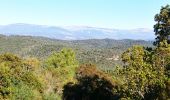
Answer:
(92, 84)
(62, 65)
(162, 62)
(64, 58)
(141, 79)
(162, 51)
(162, 26)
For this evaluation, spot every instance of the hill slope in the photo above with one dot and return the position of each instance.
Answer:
(98, 51)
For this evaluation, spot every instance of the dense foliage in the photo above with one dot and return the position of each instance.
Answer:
(92, 84)
(142, 77)
(18, 80)
(62, 66)
(144, 72)
(101, 52)
(162, 27)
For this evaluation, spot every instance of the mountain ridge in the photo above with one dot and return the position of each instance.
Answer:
(75, 32)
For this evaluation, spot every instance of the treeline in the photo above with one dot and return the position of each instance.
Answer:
(94, 51)
(30, 79)
(144, 75)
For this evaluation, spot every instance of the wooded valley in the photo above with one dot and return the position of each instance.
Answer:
(38, 68)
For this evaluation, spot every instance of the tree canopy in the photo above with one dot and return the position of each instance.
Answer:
(162, 26)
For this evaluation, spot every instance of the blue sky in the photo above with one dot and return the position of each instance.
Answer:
(120, 14)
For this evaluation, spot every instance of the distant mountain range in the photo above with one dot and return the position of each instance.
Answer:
(75, 32)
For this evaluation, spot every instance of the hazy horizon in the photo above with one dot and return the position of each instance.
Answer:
(122, 14)
(76, 32)
(77, 26)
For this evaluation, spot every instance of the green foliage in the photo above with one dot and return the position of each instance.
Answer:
(62, 65)
(162, 58)
(162, 26)
(65, 58)
(92, 84)
(32, 81)
(22, 92)
(51, 96)
(96, 51)
(143, 73)
(162, 52)
(140, 76)
(17, 82)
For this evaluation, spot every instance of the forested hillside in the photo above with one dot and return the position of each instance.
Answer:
(37, 68)
(103, 52)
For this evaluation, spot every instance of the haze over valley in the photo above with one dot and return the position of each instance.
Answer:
(76, 32)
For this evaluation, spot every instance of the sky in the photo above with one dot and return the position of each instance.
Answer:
(118, 14)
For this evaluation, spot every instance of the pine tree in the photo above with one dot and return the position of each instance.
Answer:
(162, 26)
